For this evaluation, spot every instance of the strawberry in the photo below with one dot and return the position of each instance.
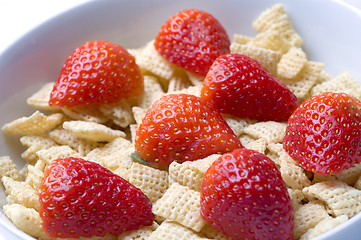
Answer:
(238, 85)
(182, 127)
(323, 135)
(244, 196)
(97, 72)
(192, 39)
(82, 198)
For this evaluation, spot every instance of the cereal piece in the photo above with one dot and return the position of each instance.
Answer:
(64, 137)
(343, 82)
(297, 197)
(271, 40)
(291, 63)
(193, 90)
(36, 124)
(150, 61)
(185, 175)
(55, 152)
(152, 182)
(196, 79)
(41, 98)
(241, 39)
(293, 175)
(178, 83)
(133, 131)
(182, 205)
(85, 113)
(348, 176)
(267, 58)
(120, 112)
(152, 92)
(122, 172)
(139, 114)
(305, 81)
(113, 155)
(107, 236)
(358, 183)
(324, 76)
(340, 198)
(136, 52)
(258, 145)
(246, 139)
(92, 131)
(308, 216)
(325, 225)
(203, 164)
(35, 174)
(237, 124)
(173, 231)
(21, 192)
(274, 157)
(275, 150)
(320, 178)
(276, 19)
(270, 131)
(142, 233)
(31, 140)
(191, 173)
(26, 219)
(211, 233)
(8, 168)
(34, 144)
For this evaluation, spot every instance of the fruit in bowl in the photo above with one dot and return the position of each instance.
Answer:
(105, 132)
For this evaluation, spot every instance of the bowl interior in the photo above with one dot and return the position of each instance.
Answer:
(327, 27)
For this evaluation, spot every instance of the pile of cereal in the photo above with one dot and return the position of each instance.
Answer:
(106, 134)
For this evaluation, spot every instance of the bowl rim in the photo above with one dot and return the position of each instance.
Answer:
(6, 225)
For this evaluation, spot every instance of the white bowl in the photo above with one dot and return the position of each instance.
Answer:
(330, 30)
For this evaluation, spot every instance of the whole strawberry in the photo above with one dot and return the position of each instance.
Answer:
(324, 133)
(238, 85)
(182, 127)
(244, 196)
(79, 198)
(192, 39)
(98, 72)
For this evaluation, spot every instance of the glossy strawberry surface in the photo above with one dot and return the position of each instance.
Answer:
(82, 198)
(192, 39)
(97, 72)
(243, 196)
(182, 127)
(324, 133)
(238, 85)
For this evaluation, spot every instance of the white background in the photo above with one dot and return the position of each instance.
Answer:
(18, 17)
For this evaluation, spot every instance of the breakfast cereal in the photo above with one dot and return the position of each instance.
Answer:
(37, 123)
(308, 216)
(291, 63)
(180, 204)
(8, 168)
(106, 134)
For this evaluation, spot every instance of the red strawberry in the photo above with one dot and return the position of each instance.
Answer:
(240, 86)
(182, 127)
(192, 39)
(82, 198)
(324, 133)
(244, 196)
(95, 73)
